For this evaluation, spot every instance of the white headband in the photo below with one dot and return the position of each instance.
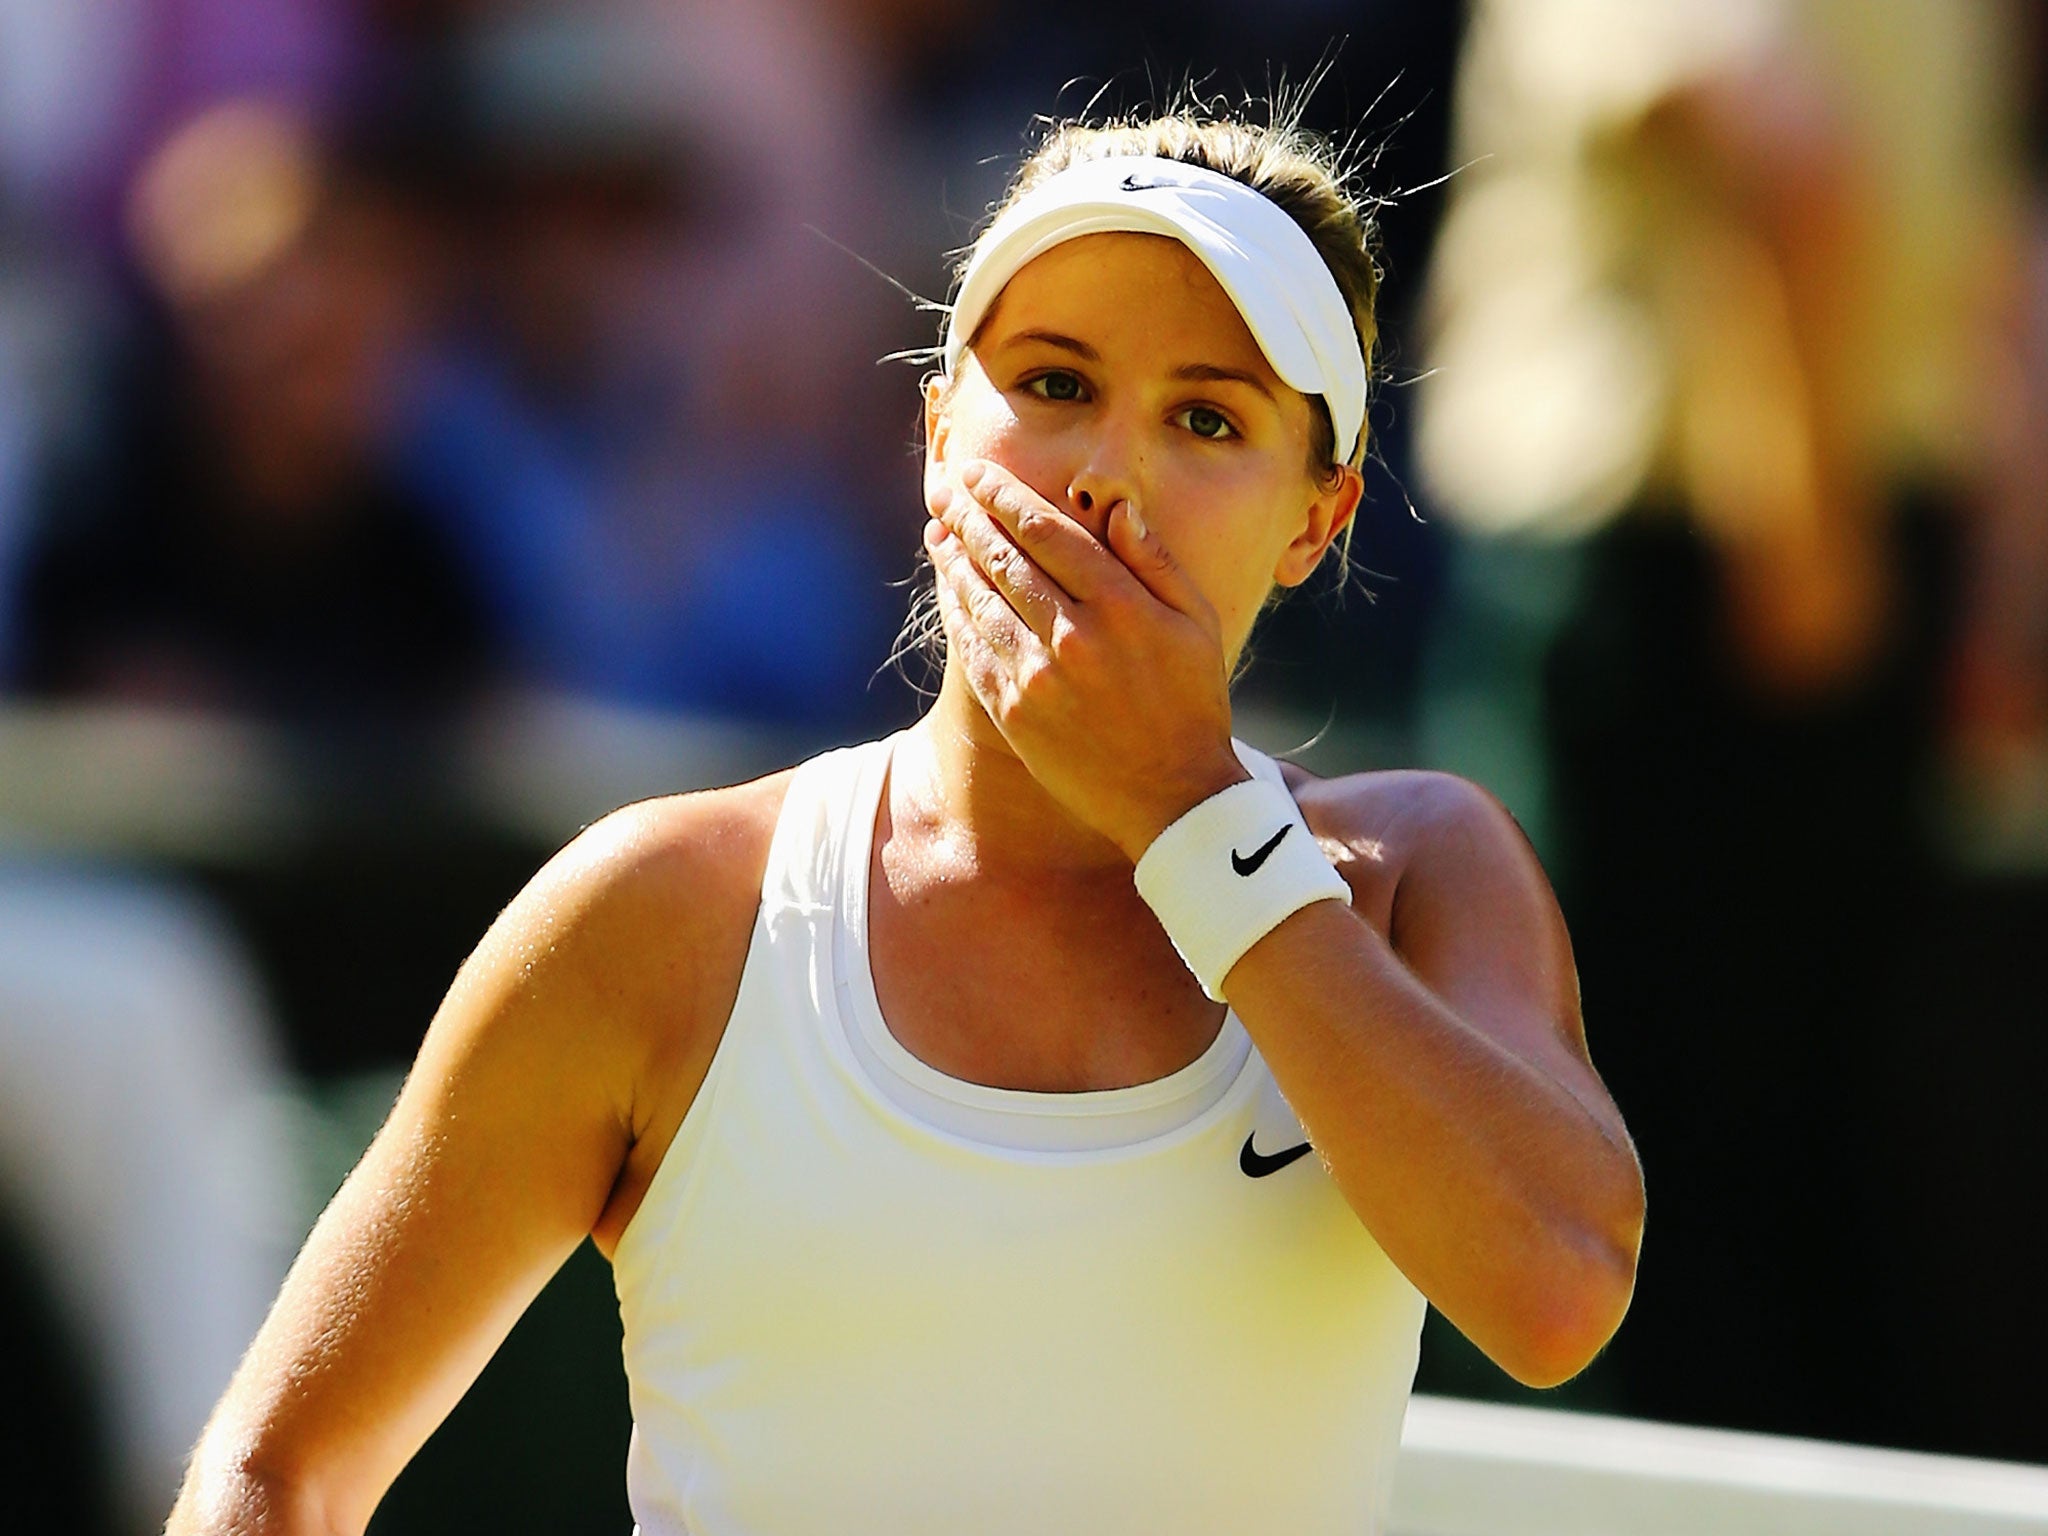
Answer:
(1264, 260)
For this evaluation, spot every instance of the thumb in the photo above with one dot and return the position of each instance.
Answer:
(1154, 565)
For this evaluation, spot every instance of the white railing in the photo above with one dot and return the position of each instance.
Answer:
(1482, 1469)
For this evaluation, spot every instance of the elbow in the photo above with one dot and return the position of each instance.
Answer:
(1571, 1311)
(242, 1495)
(1553, 1355)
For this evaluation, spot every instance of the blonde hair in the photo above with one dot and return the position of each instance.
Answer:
(1295, 170)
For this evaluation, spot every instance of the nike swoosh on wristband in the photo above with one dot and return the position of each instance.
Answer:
(1132, 184)
(1250, 866)
(1257, 1164)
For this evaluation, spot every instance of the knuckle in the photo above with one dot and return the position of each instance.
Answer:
(1034, 525)
(985, 607)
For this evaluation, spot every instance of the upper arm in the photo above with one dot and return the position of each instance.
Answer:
(1469, 909)
(522, 1110)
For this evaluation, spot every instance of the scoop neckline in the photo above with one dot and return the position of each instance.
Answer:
(1100, 1119)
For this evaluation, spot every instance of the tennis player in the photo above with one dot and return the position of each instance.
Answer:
(1054, 1117)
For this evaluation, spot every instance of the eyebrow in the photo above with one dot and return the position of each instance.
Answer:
(1204, 372)
(1210, 373)
(1080, 349)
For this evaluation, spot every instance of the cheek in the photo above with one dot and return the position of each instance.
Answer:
(1231, 532)
(1229, 549)
(994, 435)
(1042, 461)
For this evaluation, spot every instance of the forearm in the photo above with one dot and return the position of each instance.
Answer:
(1510, 1198)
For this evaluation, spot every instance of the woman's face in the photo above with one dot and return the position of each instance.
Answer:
(1114, 367)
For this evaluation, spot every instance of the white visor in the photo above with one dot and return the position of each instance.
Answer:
(1264, 260)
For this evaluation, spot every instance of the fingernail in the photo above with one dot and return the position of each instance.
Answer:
(1137, 522)
(971, 475)
(942, 498)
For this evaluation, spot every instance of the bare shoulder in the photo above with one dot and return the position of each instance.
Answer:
(653, 889)
(1444, 871)
(641, 902)
(1401, 828)
(610, 976)
(647, 917)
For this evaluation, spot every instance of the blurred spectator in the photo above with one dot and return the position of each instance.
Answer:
(231, 538)
(661, 439)
(1714, 292)
(652, 416)
(89, 87)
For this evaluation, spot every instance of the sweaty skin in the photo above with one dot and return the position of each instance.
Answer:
(1116, 480)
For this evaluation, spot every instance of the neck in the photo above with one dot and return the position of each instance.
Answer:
(960, 781)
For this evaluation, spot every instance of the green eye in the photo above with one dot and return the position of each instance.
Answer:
(1204, 421)
(1056, 386)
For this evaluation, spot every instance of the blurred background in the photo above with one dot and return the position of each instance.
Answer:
(426, 424)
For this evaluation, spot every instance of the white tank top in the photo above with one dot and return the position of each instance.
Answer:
(863, 1298)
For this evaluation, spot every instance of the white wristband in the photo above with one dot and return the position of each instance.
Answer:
(1229, 872)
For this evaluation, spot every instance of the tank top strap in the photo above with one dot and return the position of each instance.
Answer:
(807, 855)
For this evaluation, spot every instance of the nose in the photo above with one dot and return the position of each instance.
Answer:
(1107, 475)
(1084, 501)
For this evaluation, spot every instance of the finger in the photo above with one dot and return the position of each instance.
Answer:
(1057, 544)
(1152, 563)
(996, 629)
(1031, 593)
(979, 664)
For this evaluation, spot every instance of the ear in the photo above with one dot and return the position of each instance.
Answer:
(937, 425)
(1327, 517)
